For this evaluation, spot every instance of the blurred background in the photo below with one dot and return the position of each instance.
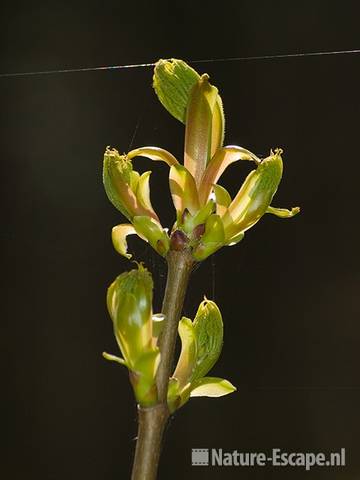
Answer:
(289, 293)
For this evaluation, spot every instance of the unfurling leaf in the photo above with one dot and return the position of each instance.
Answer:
(173, 81)
(212, 387)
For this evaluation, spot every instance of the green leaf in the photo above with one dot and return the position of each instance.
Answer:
(208, 327)
(211, 387)
(173, 81)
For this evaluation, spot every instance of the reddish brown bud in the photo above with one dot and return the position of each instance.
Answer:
(178, 240)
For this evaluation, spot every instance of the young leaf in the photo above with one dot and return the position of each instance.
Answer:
(173, 81)
(218, 164)
(211, 387)
(154, 153)
(119, 234)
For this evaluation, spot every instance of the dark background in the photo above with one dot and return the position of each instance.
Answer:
(289, 293)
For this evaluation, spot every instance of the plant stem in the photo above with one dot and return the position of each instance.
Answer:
(179, 269)
(152, 420)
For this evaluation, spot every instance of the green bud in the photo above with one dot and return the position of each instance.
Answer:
(129, 301)
(190, 222)
(179, 241)
(255, 195)
(121, 184)
(208, 328)
(201, 344)
(116, 178)
(212, 240)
